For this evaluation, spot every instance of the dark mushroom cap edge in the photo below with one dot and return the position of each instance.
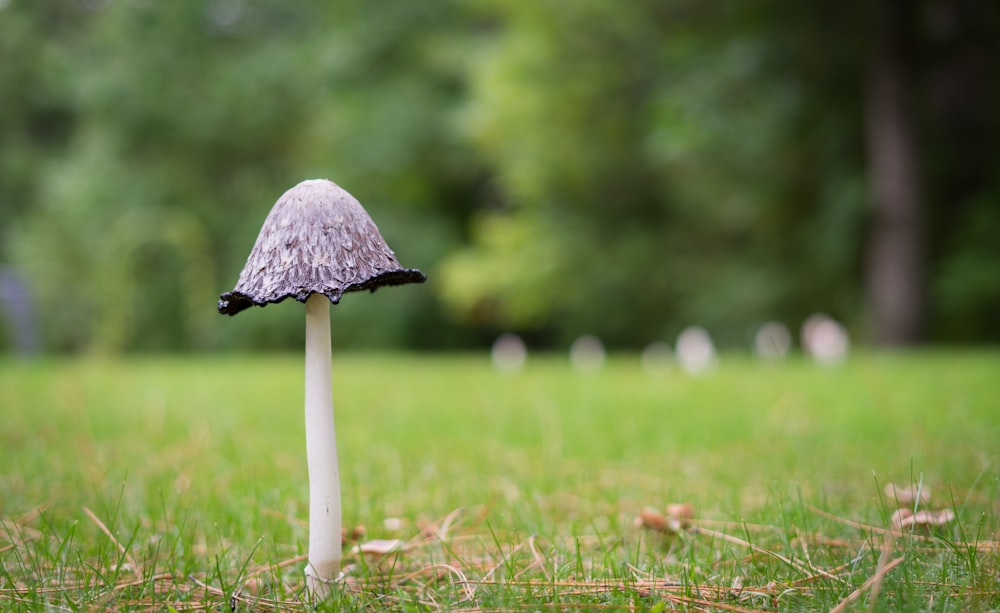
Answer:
(231, 303)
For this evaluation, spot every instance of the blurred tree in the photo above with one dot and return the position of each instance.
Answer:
(648, 181)
(185, 122)
(36, 119)
(958, 85)
(661, 164)
(895, 268)
(624, 169)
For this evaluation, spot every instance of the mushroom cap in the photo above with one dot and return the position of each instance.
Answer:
(316, 239)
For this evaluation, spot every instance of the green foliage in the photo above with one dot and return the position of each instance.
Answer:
(649, 176)
(557, 168)
(108, 266)
(966, 290)
(187, 121)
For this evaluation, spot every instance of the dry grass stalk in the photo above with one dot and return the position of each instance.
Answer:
(873, 582)
(472, 567)
(128, 557)
(808, 569)
(982, 546)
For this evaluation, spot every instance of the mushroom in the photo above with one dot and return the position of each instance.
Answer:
(316, 244)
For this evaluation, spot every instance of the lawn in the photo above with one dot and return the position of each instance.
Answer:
(179, 483)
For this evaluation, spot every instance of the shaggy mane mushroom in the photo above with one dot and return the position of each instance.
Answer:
(316, 244)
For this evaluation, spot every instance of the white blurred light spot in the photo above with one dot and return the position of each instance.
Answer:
(224, 13)
(657, 358)
(3, 4)
(825, 339)
(773, 340)
(509, 353)
(392, 524)
(695, 350)
(587, 353)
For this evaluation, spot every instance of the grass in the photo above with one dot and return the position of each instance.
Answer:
(162, 484)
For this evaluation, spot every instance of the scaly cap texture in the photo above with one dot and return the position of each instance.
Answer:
(316, 239)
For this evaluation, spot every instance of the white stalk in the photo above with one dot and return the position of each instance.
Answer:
(321, 453)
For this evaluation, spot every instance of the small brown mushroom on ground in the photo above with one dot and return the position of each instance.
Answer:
(905, 518)
(678, 517)
(652, 519)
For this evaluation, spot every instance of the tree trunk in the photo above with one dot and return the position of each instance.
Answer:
(895, 271)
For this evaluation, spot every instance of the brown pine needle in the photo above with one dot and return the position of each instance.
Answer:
(104, 529)
(887, 549)
(808, 569)
(875, 580)
(849, 522)
(503, 560)
(31, 515)
(19, 526)
(539, 558)
(978, 545)
(446, 524)
(238, 597)
(278, 565)
(708, 604)
(462, 580)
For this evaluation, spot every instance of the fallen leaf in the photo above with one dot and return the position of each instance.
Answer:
(379, 547)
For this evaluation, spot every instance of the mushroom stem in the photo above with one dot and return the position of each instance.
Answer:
(321, 453)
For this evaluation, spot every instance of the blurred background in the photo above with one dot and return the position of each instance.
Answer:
(556, 167)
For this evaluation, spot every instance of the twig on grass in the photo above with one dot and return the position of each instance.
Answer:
(849, 522)
(446, 524)
(539, 558)
(735, 525)
(991, 546)
(873, 582)
(833, 571)
(887, 549)
(17, 535)
(238, 597)
(48, 606)
(32, 515)
(18, 530)
(652, 588)
(128, 557)
(808, 569)
(277, 565)
(503, 560)
(825, 541)
(711, 605)
(463, 580)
